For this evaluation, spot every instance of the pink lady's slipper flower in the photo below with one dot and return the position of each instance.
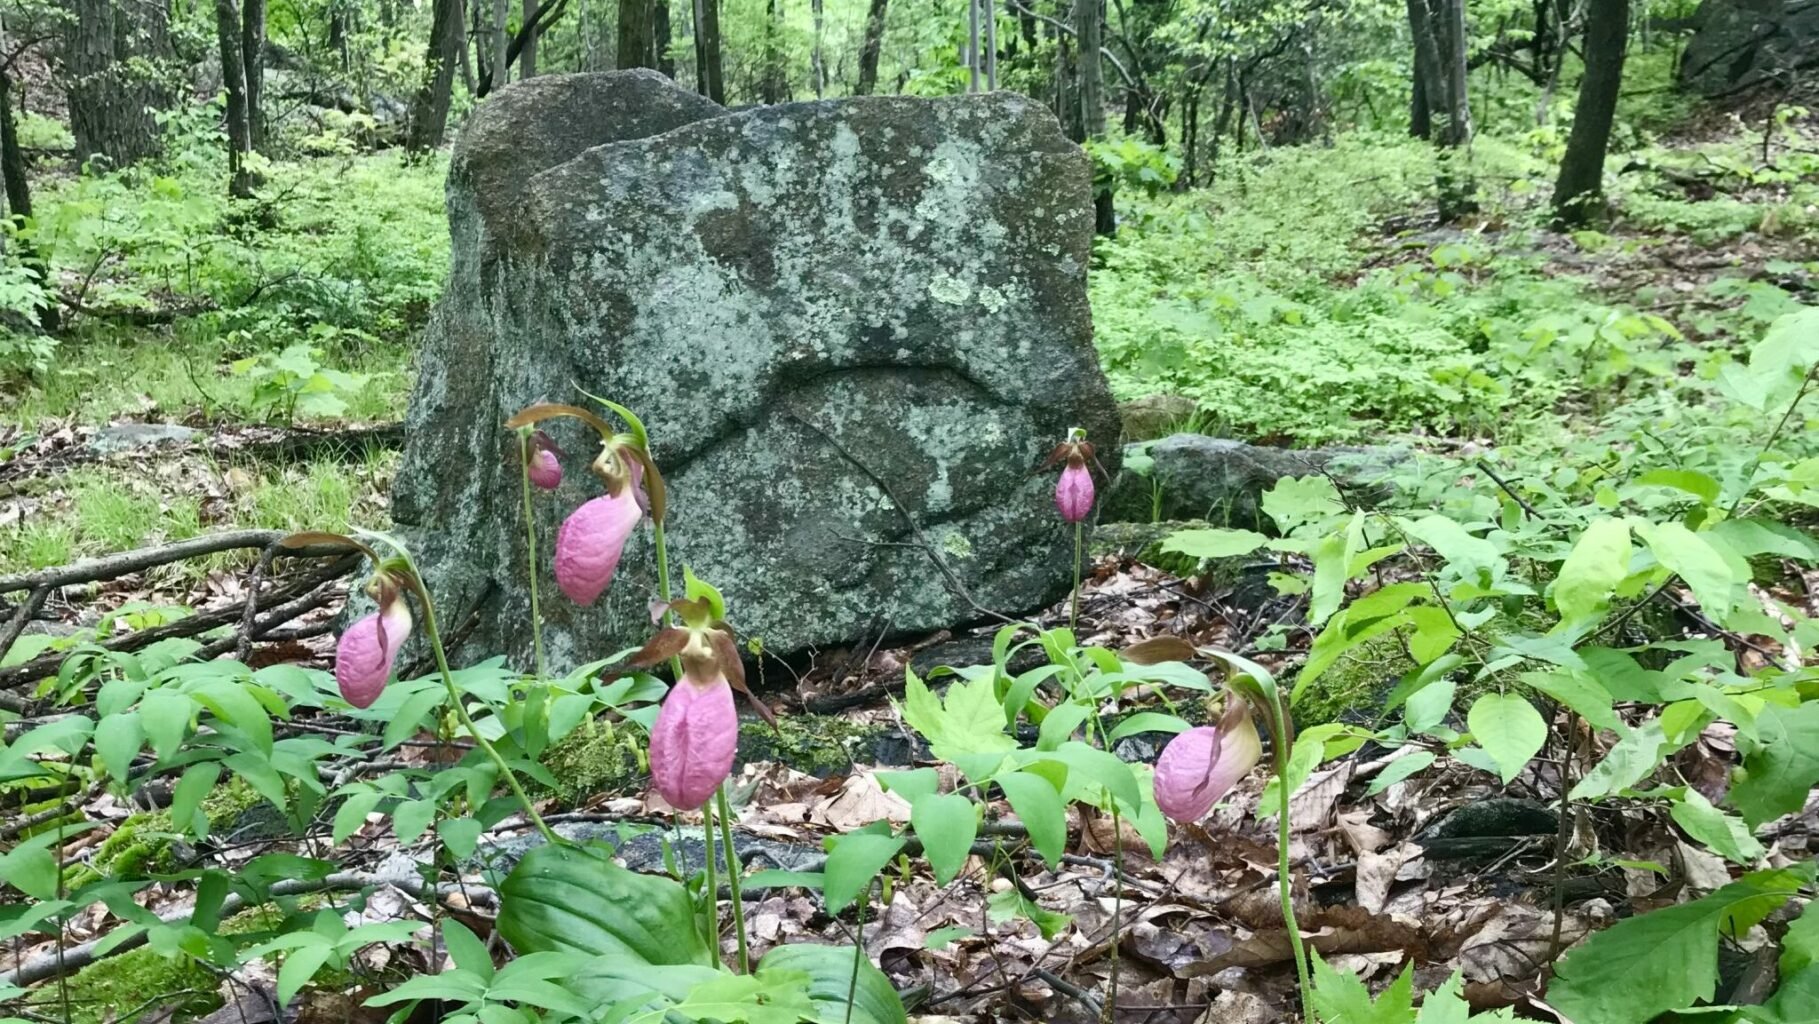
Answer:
(697, 729)
(545, 468)
(364, 655)
(1074, 491)
(593, 537)
(1201, 765)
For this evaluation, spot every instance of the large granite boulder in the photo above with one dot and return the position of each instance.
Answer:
(853, 327)
(1741, 43)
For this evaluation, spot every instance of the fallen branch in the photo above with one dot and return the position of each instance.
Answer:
(127, 562)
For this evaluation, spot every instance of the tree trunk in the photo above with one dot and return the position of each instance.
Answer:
(1429, 85)
(972, 46)
(233, 80)
(1455, 174)
(19, 201)
(527, 54)
(991, 44)
(773, 85)
(710, 73)
(502, 63)
(660, 38)
(252, 29)
(1420, 116)
(1578, 191)
(634, 35)
(816, 59)
(1088, 32)
(429, 111)
(114, 54)
(872, 47)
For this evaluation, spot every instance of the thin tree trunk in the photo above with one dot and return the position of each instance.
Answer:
(634, 35)
(991, 45)
(252, 33)
(817, 61)
(773, 83)
(19, 201)
(871, 48)
(502, 62)
(1578, 191)
(1089, 33)
(233, 79)
(710, 72)
(1420, 115)
(429, 110)
(972, 45)
(1455, 174)
(527, 54)
(660, 38)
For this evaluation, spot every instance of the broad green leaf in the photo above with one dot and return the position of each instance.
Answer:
(1296, 501)
(1468, 555)
(411, 817)
(911, 784)
(1038, 805)
(1400, 769)
(165, 715)
(352, 813)
(186, 797)
(1009, 904)
(460, 835)
(301, 965)
(1697, 562)
(967, 720)
(1645, 965)
(1800, 946)
(118, 738)
(1699, 485)
(1148, 721)
(1213, 543)
(831, 976)
(1429, 706)
(1445, 1005)
(1781, 766)
(1060, 723)
(853, 863)
(1090, 764)
(575, 899)
(947, 825)
(1509, 728)
(1418, 679)
(1599, 561)
(1635, 757)
(1729, 837)
(1341, 997)
(1303, 758)
(1579, 691)
(404, 724)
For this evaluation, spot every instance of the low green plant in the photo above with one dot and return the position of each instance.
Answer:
(294, 383)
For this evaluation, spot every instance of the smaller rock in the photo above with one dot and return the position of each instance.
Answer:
(119, 437)
(1153, 416)
(1220, 480)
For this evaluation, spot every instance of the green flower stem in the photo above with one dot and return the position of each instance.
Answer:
(1073, 615)
(1285, 886)
(467, 721)
(713, 879)
(530, 546)
(725, 810)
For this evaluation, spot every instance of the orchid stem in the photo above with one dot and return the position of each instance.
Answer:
(530, 546)
(725, 809)
(1285, 886)
(467, 721)
(713, 879)
(1073, 615)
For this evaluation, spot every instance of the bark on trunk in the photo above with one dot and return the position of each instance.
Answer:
(233, 80)
(872, 47)
(1578, 191)
(501, 40)
(710, 73)
(1088, 32)
(773, 86)
(429, 111)
(660, 38)
(634, 35)
(19, 201)
(108, 47)
(252, 29)
(816, 60)
(527, 54)
(1420, 116)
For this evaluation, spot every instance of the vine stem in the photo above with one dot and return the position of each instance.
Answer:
(530, 546)
(1564, 835)
(712, 872)
(1285, 886)
(1111, 1004)
(467, 721)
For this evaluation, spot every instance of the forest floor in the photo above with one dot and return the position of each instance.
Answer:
(1547, 346)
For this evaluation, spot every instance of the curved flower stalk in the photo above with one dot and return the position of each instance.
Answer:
(393, 578)
(592, 538)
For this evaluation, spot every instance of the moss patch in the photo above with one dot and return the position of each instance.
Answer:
(1355, 684)
(819, 745)
(598, 757)
(148, 842)
(115, 987)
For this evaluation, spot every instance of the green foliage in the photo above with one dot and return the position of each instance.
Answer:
(292, 383)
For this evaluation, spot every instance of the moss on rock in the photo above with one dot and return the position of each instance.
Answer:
(148, 842)
(819, 745)
(1356, 683)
